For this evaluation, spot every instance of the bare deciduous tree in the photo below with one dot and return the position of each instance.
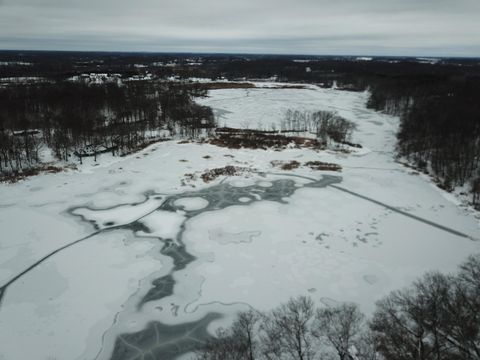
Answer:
(340, 327)
(244, 329)
(236, 343)
(437, 318)
(287, 330)
(366, 346)
(224, 346)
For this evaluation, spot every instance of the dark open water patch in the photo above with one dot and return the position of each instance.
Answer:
(163, 342)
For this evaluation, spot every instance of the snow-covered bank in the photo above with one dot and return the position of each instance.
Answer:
(252, 250)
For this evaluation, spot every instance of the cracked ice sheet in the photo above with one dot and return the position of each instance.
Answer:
(42, 201)
(119, 215)
(73, 298)
(371, 171)
(286, 259)
(163, 224)
(28, 233)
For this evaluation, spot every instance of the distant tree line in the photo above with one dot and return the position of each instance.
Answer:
(436, 318)
(84, 120)
(346, 71)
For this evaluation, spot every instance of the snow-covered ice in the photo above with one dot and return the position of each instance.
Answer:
(161, 249)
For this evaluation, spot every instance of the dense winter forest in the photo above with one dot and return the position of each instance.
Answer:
(440, 124)
(81, 119)
(437, 318)
(87, 102)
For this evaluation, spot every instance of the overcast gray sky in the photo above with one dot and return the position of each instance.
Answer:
(356, 27)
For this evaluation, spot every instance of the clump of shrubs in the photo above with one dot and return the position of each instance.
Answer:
(228, 170)
(319, 165)
(286, 165)
(256, 139)
(15, 176)
(314, 165)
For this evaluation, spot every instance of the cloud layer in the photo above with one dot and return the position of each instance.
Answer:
(375, 27)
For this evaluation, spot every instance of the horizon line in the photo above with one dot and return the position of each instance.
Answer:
(238, 53)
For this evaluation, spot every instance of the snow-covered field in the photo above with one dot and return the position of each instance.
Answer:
(166, 258)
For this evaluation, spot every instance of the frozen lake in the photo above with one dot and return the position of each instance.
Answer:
(139, 257)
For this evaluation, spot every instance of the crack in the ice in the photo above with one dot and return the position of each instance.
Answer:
(404, 213)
